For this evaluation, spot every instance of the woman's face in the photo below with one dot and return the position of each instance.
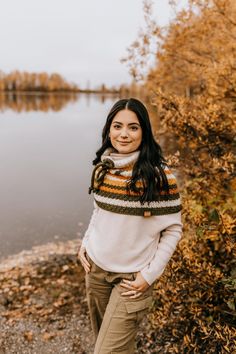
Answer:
(125, 132)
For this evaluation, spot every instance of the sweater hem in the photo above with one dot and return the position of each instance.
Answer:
(113, 270)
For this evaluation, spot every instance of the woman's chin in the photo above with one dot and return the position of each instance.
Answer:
(124, 150)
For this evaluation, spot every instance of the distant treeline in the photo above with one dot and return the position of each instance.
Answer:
(25, 81)
(17, 81)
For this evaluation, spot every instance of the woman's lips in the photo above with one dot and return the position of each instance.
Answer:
(124, 142)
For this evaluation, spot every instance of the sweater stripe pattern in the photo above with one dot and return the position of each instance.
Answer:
(109, 185)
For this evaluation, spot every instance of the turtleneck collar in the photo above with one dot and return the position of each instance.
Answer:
(120, 160)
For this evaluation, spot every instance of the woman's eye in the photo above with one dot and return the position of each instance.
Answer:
(116, 126)
(134, 128)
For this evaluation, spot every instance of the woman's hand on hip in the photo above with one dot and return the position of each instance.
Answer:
(136, 287)
(83, 260)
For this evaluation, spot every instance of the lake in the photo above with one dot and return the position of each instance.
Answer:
(46, 152)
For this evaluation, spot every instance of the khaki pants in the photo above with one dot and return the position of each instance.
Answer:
(114, 318)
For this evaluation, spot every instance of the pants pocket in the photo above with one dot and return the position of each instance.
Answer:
(139, 307)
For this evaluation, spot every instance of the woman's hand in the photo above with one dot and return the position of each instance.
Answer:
(136, 287)
(83, 259)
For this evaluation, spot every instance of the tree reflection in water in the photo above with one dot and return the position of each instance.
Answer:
(41, 101)
(20, 102)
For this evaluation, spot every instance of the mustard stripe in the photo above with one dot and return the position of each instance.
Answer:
(117, 196)
(122, 180)
(116, 191)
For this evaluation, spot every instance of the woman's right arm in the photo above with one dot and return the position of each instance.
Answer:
(82, 250)
(90, 227)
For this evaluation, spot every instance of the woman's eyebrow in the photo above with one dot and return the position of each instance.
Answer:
(134, 124)
(117, 122)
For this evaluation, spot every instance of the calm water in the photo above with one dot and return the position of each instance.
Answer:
(45, 166)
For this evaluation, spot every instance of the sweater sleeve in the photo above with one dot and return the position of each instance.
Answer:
(91, 225)
(169, 239)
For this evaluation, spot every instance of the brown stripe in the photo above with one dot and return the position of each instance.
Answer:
(139, 211)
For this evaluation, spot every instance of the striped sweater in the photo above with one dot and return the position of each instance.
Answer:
(109, 185)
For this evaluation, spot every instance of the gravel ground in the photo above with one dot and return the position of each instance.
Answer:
(67, 334)
(43, 306)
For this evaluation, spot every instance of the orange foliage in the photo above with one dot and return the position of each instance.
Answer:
(193, 87)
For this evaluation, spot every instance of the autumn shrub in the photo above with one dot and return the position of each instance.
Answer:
(193, 86)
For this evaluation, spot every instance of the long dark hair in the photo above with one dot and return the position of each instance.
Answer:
(150, 163)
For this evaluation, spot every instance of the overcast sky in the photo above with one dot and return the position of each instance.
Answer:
(83, 40)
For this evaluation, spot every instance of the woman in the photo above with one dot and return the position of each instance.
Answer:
(134, 229)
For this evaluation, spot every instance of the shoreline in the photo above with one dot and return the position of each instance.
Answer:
(39, 253)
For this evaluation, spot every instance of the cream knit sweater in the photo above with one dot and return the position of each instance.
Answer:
(129, 243)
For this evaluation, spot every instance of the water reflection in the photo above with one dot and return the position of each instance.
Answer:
(41, 101)
(21, 102)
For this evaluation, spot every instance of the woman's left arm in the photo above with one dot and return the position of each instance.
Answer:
(169, 239)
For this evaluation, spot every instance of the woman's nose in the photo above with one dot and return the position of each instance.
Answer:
(124, 133)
